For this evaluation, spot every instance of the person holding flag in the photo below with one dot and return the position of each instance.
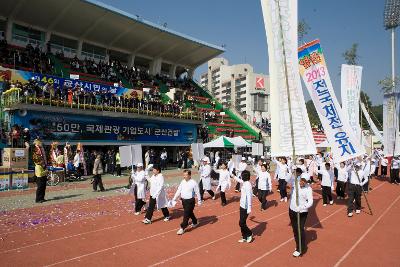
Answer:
(299, 203)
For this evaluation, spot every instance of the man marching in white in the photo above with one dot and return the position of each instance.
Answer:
(186, 191)
(342, 178)
(157, 196)
(326, 183)
(245, 206)
(139, 179)
(205, 178)
(305, 201)
(355, 189)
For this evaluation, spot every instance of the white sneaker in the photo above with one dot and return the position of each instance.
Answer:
(358, 211)
(146, 221)
(331, 202)
(350, 214)
(242, 240)
(194, 225)
(213, 198)
(237, 191)
(166, 219)
(281, 199)
(296, 254)
(137, 213)
(180, 232)
(249, 239)
(285, 199)
(324, 205)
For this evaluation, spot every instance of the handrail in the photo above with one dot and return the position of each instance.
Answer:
(15, 97)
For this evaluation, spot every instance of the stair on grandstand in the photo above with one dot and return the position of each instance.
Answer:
(225, 122)
(319, 136)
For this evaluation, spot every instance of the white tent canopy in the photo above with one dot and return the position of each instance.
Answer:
(239, 141)
(221, 141)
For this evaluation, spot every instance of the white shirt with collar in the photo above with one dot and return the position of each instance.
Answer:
(305, 198)
(157, 190)
(246, 193)
(242, 166)
(264, 181)
(224, 182)
(231, 166)
(327, 177)
(384, 162)
(357, 180)
(187, 190)
(395, 164)
(343, 174)
(205, 176)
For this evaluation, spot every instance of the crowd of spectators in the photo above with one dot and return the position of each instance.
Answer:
(203, 133)
(264, 125)
(29, 58)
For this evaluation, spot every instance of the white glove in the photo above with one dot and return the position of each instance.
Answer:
(199, 203)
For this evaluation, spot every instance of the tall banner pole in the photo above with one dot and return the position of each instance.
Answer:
(291, 124)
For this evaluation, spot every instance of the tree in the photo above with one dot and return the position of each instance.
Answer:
(302, 30)
(312, 114)
(388, 85)
(375, 112)
(350, 56)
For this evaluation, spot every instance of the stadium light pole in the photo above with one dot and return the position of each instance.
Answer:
(392, 21)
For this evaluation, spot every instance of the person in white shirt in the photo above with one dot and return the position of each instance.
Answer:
(205, 178)
(217, 159)
(245, 205)
(78, 164)
(394, 170)
(163, 158)
(224, 182)
(300, 203)
(257, 170)
(187, 189)
(282, 170)
(320, 162)
(264, 185)
(231, 165)
(139, 181)
(242, 167)
(342, 178)
(326, 183)
(355, 189)
(384, 164)
(157, 195)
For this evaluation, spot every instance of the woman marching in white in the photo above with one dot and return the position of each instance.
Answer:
(224, 182)
(245, 206)
(299, 204)
(186, 191)
(157, 196)
(264, 186)
(139, 181)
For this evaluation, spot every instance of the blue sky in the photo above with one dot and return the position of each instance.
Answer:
(239, 25)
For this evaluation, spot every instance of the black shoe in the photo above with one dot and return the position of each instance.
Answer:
(223, 204)
(43, 200)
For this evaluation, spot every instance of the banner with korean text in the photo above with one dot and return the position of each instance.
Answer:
(350, 92)
(280, 20)
(391, 113)
(315, 75)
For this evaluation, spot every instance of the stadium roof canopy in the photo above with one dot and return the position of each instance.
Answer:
(111, 28)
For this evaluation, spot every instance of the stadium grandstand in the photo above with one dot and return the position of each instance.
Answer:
(89, 73)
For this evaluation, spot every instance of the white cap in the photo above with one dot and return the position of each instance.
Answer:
(305, 176)
(243, 158)
(262, 157)
(206, 159)
(139, 165)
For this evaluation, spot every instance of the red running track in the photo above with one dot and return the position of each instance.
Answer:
(120, 239)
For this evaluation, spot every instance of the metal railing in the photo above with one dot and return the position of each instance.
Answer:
(14, 96)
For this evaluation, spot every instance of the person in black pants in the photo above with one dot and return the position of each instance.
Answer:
(98, 171)
(299, 205)
(39, 159)
(186, 191)
(157, 196)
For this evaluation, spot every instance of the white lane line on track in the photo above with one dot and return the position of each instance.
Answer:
(287, 241)
(365, 234)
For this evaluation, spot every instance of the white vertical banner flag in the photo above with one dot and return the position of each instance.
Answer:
(350, 92)
(391, 113)
(345, 145)
(280, 20)
(371, 123)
